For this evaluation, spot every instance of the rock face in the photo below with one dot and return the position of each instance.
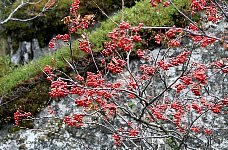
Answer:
(27, 51)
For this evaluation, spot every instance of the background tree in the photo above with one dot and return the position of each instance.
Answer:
(9, 9)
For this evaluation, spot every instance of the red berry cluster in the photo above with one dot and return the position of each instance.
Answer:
(114, 35)
(148, 70)
(198, 5)
(49, 72)
(178, 60)
(215, 108)
(116, 138)
(58, 89)
(121, 39)
(125, 43)
(193, 27)
(155, 2)
(206, 41)
(196, 38)
(124, 25)
(208, 131)
(18, 115)
(51, 44)
(175, 43)
(196, 89)
(218, 64)
(77, 90)
(84, 46)
(177, 117)
(197, 107)
(197, 130)
(76, 120)
(79, 77)
(84, 102)
(158, 38)
(140, 53)
(84, 24)
(181, 58)
(47, 69)
(74, 6)
(131, 96)
(109, 47)
(163, 65)
(179, 87)
(116, 65)
(64, 37)
(94, 80)
(110, 109)
(172, 32)
(136, 38)
(133, 132)
(116, 85)
(212, 13)
(158, 113)
(203, 40)
(137, 29)
(200, 75)
(166, 4)
(72, 29)
(186, 80)
(225, 101)
(132, 84)
(211, 10)
(130, 131)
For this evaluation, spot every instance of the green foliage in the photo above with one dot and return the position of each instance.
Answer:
(171, 142)
(25, 72)
(5, 66)
(33, 100)
(14, 129)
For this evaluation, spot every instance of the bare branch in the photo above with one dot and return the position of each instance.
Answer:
(47, 6)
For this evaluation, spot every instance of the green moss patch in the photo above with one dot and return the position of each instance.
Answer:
(31, 96)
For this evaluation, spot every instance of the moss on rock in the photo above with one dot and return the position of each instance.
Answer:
(31, 96)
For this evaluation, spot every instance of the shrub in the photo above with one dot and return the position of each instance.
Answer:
(166, 98)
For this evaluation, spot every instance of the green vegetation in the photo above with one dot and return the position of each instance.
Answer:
(31, 96)
(25, 72)
(6, 66)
